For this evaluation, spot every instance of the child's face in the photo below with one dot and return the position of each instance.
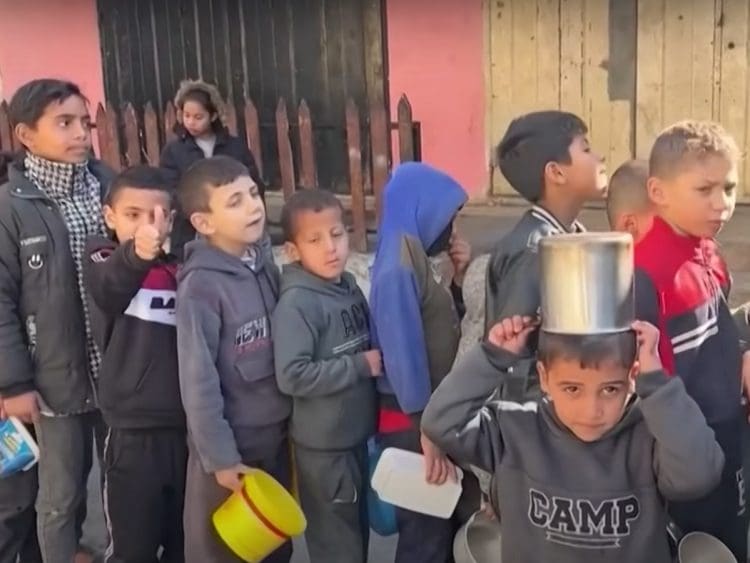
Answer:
(586, 175)
(321, 243)
(236, 216)
(196, 118)
(588, 401)
(637, 223)
(133, 208)
(700, 199)
(62, 133)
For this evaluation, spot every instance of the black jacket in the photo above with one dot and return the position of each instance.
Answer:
(512, 288)
(178, 155)
(42, 328)
(132, 307)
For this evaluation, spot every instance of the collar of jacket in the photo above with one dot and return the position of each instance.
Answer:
(545, 216)
(221, 134)
(20, 186)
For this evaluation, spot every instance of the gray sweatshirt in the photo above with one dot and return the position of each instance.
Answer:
(322, 330)
(234, 409)
(568, 501)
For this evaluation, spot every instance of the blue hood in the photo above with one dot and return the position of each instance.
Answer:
(419, 202)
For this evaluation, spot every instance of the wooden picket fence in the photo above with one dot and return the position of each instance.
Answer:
(125, 140)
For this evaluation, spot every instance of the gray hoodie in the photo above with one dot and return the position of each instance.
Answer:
(568, 501)
(234, 409)
(322, 330)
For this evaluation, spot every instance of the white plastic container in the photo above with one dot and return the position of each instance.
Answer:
(399, 479)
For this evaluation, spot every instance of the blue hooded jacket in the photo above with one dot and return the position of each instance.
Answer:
(420, 202)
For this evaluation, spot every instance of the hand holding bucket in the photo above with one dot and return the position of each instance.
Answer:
(259, 518)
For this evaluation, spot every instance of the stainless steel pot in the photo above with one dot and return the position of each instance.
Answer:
(587, 283)
(478, 541)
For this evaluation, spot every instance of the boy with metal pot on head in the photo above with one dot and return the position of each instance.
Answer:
(584, 473)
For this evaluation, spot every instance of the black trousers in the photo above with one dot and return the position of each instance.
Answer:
(144, 491)
(18, 518)
(723, 512)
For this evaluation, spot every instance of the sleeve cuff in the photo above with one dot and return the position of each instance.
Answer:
(17, 389)
(360, 365)
(499, 358)
(648, 383)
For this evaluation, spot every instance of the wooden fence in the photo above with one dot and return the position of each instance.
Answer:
(126, 139)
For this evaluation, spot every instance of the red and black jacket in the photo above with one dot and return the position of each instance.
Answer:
(132, 306)
(682, 285)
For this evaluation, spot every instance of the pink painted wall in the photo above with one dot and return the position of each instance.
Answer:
(52, 39)
(436, 57)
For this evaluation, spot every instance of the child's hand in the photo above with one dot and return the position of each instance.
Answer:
(149, 238)
(375, 361)
(231, 478)
(511, 334)
(438, 468)
(24, 407)
(648, 346)
(460, 254)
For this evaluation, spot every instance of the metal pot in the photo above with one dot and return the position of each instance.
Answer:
(587, 283)
(478, 541)
(697, 547)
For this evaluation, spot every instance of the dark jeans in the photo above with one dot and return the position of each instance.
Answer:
(18, 518)
(66, 446)
(423, 538)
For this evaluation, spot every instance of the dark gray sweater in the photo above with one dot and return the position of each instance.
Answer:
(569, 501)
(321, 331)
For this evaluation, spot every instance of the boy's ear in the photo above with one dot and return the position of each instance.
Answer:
(553, 173)
(291, 251)
(634, 372)
(543, 377)
(109, 217)
(655, 189)
(202, 223)
(24, 134)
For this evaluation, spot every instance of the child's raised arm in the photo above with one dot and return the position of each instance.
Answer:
(687, 459)
(458, 417)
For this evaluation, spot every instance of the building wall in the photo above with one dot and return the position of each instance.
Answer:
(436, 56)
(50, 38)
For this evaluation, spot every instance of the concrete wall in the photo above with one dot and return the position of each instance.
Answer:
(436, 56)
(50, 38)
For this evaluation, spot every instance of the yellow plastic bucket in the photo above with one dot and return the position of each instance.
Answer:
(259, 519)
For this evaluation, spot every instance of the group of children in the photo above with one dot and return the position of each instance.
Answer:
(207, 362)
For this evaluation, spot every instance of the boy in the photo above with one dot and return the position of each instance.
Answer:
(50, 205)
(17, 492)
(132, 286)
(580, 476)
(546, 158)
(417, 328)
(325, 362)
(682, 288)
(628, 208)
(227, 291)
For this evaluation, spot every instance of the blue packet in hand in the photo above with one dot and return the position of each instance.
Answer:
(18, 450)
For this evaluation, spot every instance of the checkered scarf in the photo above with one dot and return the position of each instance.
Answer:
(77, 193)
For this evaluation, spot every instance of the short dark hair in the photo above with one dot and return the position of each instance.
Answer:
(141, 177)
(29, 102)
(687, 141)
(530, 143)
(590, 350)
(194, 189)
(627, 189)
(305, 200)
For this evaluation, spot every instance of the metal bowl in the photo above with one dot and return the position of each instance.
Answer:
(478, 541)
(697, 547)
(587, 283)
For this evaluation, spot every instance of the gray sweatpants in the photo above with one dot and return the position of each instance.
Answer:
(333, 492)
(203, 495)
